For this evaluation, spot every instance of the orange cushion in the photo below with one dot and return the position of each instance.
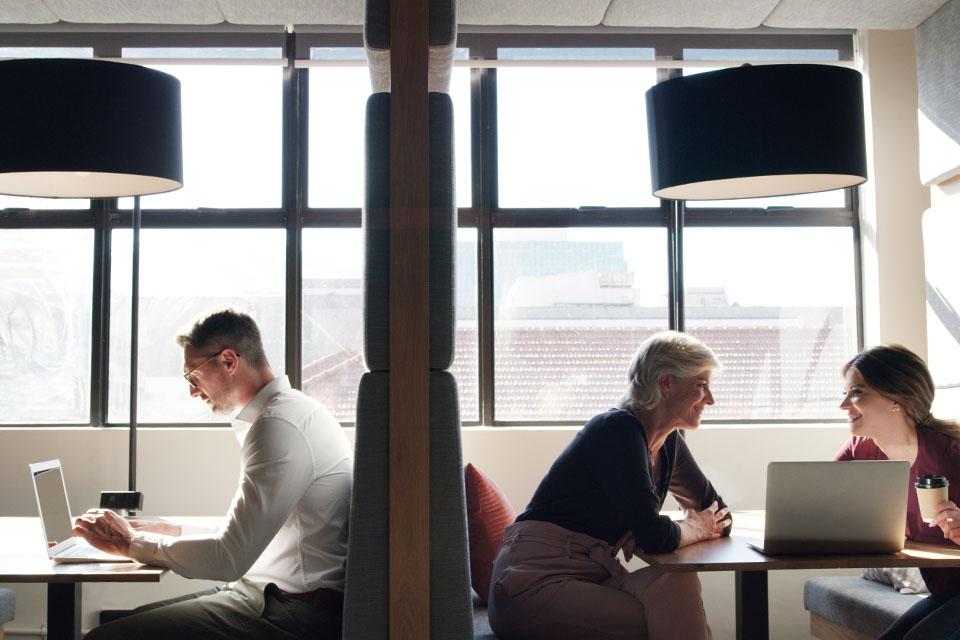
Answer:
(488, 514)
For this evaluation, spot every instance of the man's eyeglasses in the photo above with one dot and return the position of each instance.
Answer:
(189, 375)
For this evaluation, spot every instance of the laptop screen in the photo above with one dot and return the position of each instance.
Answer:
(52, 500)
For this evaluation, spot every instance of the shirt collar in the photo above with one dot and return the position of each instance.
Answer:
(249, 414)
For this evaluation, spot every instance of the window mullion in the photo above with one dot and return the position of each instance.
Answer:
(674, 266)
(484, 132)
(853, 199)
(100, 325)
(679, 210)
(294, 160)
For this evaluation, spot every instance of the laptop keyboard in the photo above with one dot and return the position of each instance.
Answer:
(82, 551)
(72, 552)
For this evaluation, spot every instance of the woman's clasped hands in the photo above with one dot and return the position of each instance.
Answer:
(703, 525)
(695, 526)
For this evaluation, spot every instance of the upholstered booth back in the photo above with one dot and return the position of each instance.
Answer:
(442, 36)
(366, 609)
(366, 612)
(376, 287)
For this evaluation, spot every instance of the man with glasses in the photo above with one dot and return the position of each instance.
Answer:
(283, 544)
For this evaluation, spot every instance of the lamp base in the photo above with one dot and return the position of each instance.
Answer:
(123, 502)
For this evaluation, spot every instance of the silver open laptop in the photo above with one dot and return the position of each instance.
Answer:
(836, 507)
(55, 520)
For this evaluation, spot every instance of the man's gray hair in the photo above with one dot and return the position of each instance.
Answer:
(224, 328)
(666, 352)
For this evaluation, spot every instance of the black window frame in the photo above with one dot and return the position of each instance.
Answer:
(484, 214)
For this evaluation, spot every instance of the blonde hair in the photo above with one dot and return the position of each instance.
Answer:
(666, 352)
(902, 376)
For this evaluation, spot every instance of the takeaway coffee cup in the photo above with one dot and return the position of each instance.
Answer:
(931, 491)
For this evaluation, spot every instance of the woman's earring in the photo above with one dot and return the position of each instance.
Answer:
(896, 407)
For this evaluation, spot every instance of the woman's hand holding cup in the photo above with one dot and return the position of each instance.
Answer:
(948, 519)
(936, 508)
(931, 493)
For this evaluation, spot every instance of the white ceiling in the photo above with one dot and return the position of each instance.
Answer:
(716, 14)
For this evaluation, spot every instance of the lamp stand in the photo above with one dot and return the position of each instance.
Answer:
(134, 342)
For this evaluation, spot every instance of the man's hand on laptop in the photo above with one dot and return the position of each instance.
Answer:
(703, 525)
(948, 519)
(105, 530)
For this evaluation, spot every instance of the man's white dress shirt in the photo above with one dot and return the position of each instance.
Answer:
(288, 521)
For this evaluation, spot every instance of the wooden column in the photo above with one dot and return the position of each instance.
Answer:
(409, 323)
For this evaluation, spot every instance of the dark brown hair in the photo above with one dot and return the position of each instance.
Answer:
(902, 376)
(225, 328)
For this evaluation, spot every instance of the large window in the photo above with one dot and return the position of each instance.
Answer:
(45, 322)
(573, 137)
(565, 261)
(337, 99)
(571, 306)
(332, 344)
(231, 138)
(777, 305)
(182, 274)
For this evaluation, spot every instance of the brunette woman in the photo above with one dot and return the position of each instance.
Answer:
(888, 394)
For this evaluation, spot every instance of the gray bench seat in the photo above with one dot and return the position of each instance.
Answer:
(863, 606)
(8, 605)
(481, 626)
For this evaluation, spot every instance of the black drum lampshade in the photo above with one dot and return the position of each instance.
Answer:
(73, 128)
(755, 131)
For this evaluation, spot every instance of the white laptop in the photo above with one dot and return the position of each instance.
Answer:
(55, 520)
(836, 507)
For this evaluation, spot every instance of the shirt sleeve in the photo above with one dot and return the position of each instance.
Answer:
(690, 486)
(846, 452)
(626, 478)
(277, 469)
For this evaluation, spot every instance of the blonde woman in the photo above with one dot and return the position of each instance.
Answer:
(556, 575)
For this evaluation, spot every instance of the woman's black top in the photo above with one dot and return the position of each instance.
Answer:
(602, 484)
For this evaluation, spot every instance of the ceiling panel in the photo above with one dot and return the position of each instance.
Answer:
(730, 14)
(548, 13)
(137, 11)
(25, 12)
(716, 14)
(852, 14)
(270, 12)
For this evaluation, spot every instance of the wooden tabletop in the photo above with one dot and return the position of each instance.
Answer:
(24, 559)
(735, 553)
